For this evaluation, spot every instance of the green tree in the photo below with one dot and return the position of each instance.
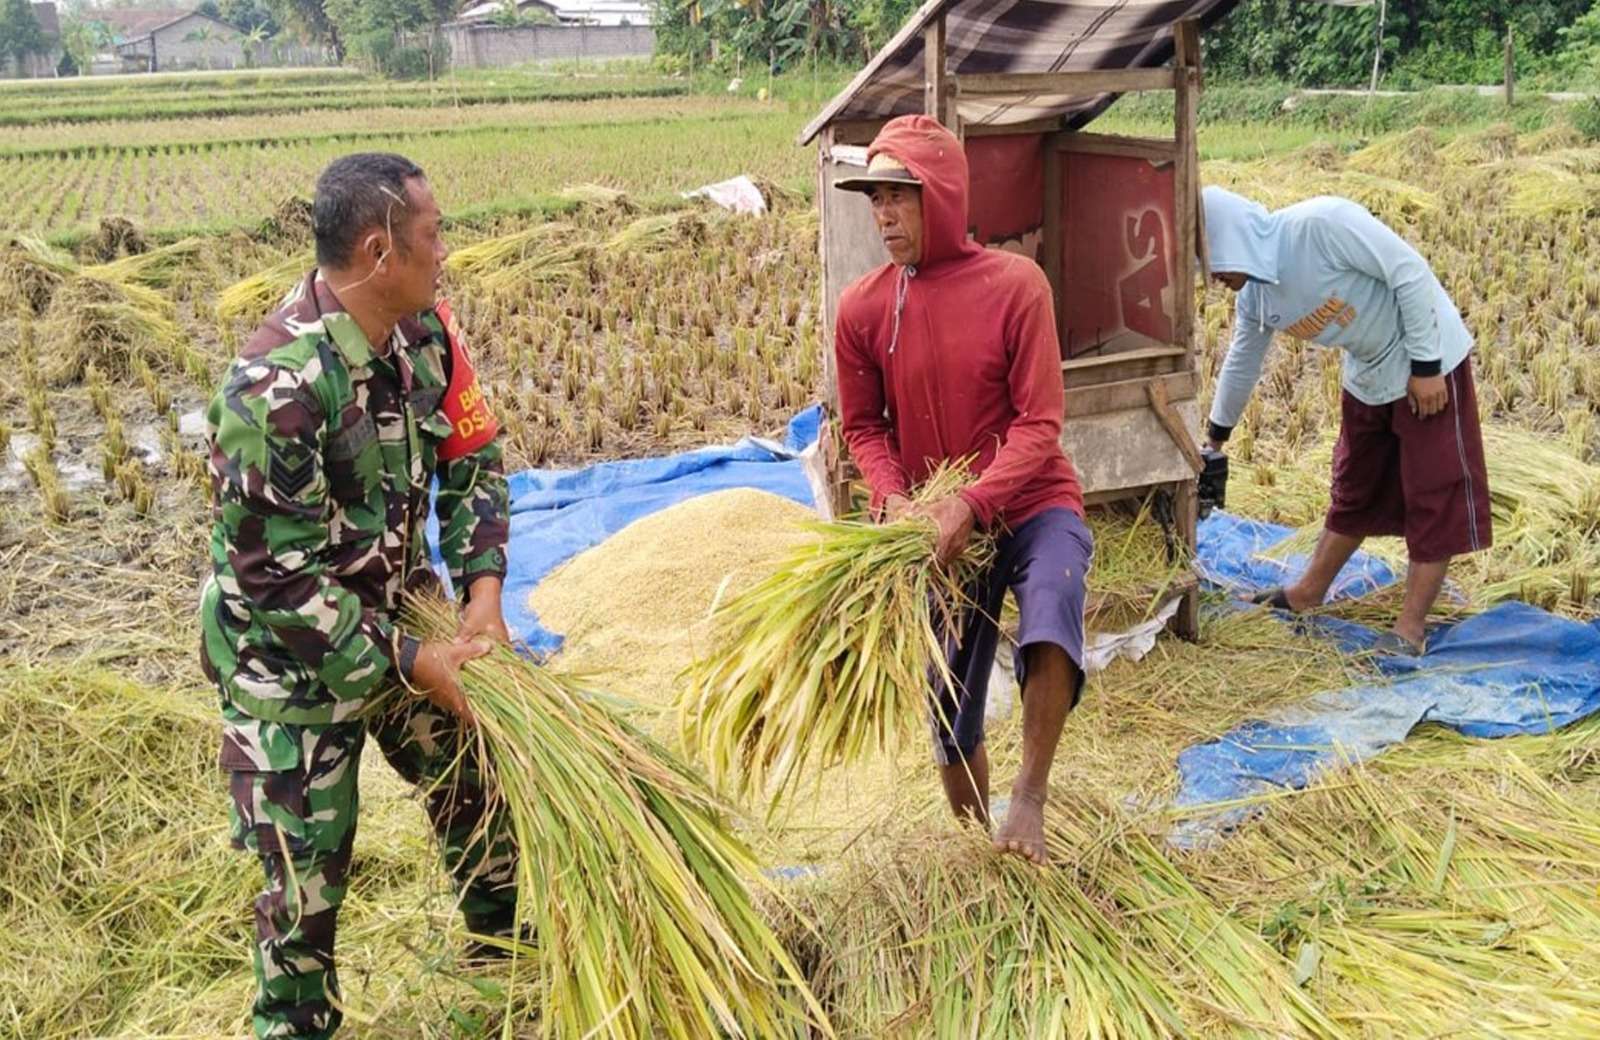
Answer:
(313, 21)
(20, 33)
(82, 38)
(1425, 41)
(248, 16)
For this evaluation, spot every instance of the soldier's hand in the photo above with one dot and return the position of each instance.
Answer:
(482, 616)
(437, 673)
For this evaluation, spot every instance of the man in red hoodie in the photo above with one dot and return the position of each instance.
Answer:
(948, 352)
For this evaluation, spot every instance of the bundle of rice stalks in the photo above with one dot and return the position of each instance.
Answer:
(1320, 155)
(1387, 198)
(937, 935)
(533, 247)
(659, 232)
(291, 221)
(31, 272)
(634, 885)
(153, 268)
(1400, 155)
(124, 911)
(828, 659)
(116, 237)
(1555, 137)
(1462, 871)
(597, 196)
(114, 325)
(1491, 144)
(1545, 190)
(549, 266)
(119, 878)
(253, 298)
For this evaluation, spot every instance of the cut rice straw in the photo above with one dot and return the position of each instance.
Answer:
(828, 660)
(253, 298)
(633, 884)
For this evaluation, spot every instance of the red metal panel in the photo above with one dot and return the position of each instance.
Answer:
(1119, 251)
(1005, 207)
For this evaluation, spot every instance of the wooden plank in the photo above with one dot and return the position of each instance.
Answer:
(849, 239)
(1032, 126)
(1117, 451)
(1066, 84)
(825, 327)
(1162, 406)
(1152, 148)
(1052, 235)
(935, 86)
(1127, 393)
(1127, 364)
(1187, 182)
(1186, 514)
(856, 131)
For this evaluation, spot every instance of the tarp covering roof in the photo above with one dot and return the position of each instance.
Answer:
(999, 36)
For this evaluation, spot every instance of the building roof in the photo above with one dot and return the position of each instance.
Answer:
(49, 21)
(135, 23)
(489, 8)
(1000, 36)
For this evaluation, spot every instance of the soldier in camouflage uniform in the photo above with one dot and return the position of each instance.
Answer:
(326, 434)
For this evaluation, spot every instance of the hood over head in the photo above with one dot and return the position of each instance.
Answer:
(935, 156)
(1241, 236)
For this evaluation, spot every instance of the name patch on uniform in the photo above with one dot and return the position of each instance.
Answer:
(472, 424)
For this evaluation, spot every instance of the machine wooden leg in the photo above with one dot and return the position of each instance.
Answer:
(1186, 513)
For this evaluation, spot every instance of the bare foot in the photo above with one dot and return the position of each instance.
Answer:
(1416, 635)
(1023, 832)
(1300, 599)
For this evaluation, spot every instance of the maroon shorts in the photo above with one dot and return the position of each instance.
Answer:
(1396, 474)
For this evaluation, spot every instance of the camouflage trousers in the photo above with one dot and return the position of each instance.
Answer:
(301, 823)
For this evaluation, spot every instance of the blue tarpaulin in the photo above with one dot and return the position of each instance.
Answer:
(1511, 670)
(556, 514)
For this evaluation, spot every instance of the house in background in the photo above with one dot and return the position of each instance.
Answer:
(490, 10)
(566, 12)
(45, 62)
(607, 12)
(168, 40)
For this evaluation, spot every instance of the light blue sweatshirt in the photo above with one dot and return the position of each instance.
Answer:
(1327, 271)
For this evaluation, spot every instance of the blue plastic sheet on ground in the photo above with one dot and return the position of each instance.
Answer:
(556, 514)
(1511, 670)
(1232, 556)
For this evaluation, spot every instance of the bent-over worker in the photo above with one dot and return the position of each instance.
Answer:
(1409, 459)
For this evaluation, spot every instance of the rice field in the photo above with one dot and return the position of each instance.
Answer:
(1451, 887)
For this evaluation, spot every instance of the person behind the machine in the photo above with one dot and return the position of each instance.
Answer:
(1409, 459)
(950, 351)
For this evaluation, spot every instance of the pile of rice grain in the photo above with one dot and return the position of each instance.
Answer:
(632, 607)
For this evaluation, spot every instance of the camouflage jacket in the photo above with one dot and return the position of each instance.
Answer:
(322, 454)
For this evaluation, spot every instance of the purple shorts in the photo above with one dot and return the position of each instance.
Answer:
(1043, 562)
(1426, 479)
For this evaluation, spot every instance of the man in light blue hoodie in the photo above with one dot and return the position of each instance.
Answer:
(1409, 460)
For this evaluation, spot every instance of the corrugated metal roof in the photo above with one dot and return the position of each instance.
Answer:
(999, 36)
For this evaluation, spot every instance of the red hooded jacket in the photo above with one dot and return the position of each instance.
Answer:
(968, 362)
